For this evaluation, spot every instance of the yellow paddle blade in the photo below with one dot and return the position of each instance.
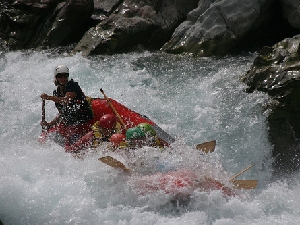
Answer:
(244, 184)
(113, 163)
(207, 147)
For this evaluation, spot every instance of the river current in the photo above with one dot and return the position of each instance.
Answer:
(193, 99)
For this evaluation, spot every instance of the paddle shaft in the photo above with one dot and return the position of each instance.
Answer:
(43, 113)
(243, 171)
(113, 109)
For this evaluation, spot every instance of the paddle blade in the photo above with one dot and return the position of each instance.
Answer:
(207, 147)
(244, 184)
(113, 163)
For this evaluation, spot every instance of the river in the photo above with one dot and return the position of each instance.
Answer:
(193, 99)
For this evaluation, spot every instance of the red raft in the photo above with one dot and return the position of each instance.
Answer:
(179, 183)
(101, 107)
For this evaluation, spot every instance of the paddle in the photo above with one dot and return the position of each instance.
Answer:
(113, 109)
(43, 114)
(113, 163)
(243, 171)
(207, 147)
(244, 184)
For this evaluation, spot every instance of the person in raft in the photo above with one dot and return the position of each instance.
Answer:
(102, 131)
(74, 111)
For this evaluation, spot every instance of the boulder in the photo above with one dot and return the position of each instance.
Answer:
(204, 28)
(20, 21)
(133, 23)
(216, 27)
(50, 23)
(276, 71)
(68, 22)
(290, 11)
(102, 9)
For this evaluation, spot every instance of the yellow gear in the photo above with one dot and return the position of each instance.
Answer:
(98, 136)
(118, 128)
(89, 100)
(123, 144)
(97, 139)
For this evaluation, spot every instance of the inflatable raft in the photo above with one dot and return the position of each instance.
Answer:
(100, 107)
(179, 183)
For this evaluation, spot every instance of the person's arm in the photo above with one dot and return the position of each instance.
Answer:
(61, 100)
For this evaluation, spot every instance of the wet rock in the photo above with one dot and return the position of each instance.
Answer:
(204, 28)
(68, 25)
(215, 27)
(20, 21)
(290, 9)
(50, 23)
(103, 8)
(134, 23)
(276, 71)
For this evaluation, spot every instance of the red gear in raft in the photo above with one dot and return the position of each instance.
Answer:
(108, 121)
(118, 140)
(102, 130)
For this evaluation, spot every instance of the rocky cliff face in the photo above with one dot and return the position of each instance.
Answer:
(134, 23)
(215, 29)
(30, 23)
(204, 28)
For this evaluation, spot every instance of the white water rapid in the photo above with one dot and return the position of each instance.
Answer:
(193, 99)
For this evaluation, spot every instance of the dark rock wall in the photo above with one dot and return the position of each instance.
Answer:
(276, 71)
(51, 23)
(204, 28)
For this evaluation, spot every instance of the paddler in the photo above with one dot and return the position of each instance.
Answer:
(74, 112)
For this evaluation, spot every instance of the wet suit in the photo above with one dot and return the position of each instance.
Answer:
(78, 111)
(75, 116)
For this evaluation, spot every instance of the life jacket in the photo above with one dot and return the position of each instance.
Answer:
(78, 111)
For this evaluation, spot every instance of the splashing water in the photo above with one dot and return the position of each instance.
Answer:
(193, 99)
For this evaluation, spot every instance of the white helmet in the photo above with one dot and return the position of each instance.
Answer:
(61, 69)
